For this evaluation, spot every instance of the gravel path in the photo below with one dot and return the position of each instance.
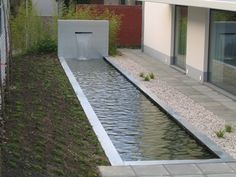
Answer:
(200, 118)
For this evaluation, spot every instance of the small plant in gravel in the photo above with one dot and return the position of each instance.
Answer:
(152, 76)
(228, 128)
(141, 74)
(220, 133)
(147, 78)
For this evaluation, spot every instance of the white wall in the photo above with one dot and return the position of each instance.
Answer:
(197, 42)
(157, 28)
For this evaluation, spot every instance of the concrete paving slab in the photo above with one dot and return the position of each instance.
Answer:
(215, 168)
(221, 175)
(189, 176)
(183, 169)
(150, 170)
(116, 171)
(232, 165)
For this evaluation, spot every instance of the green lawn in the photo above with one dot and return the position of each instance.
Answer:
(47, 131)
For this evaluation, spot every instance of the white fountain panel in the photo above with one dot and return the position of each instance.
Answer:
(83, 39)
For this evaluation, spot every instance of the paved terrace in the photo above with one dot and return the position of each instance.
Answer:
(172, 170)
(220, 104)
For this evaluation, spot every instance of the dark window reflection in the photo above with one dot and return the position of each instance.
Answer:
(222, 57)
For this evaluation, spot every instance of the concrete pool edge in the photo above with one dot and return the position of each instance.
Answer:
(202, 138)
(108, 147)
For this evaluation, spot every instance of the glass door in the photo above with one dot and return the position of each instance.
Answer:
(222, 51)
(181, 17)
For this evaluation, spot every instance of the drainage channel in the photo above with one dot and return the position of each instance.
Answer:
(139, 130)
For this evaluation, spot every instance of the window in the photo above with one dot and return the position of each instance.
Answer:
(222, 53)
(181, 15)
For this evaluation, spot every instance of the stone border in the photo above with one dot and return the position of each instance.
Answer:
(202, 138)
(100, 132)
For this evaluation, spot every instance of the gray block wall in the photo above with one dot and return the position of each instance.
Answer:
(67, 37)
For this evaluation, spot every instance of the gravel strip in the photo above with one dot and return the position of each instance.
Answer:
(198, 116)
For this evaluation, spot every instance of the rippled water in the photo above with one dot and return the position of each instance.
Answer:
(138, 129)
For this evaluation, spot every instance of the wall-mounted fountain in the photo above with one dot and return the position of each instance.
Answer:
(83, 39)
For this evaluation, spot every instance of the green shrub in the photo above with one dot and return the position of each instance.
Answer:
(228, 128)
(30, 32)
(220, 133)
(152, 76)
(91, 13)
(147, 78)
(47, 46)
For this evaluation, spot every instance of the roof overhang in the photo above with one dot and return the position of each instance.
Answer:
(212, 4)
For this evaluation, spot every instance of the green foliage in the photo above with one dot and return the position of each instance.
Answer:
(91, 13)
(223, 15)
(220, 133)
(152, 76)
(46, 46)
(228, 128)
(30, 32)
(141, 74)
(34, 34)
(147, 78)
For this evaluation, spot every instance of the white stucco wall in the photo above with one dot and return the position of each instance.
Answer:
(197, 42)
(157, 28)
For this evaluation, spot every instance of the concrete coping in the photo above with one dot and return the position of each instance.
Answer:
(100, 132)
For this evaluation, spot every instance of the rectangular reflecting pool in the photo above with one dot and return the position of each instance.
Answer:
(138, 128)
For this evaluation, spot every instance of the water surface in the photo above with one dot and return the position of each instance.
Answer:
(138, 129)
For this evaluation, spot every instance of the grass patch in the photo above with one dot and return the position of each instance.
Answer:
(220, 133)
(47, 131)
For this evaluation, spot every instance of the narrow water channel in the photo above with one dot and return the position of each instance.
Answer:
(138, 129)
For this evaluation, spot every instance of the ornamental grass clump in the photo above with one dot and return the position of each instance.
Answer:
(220, 133)
(147, 78)
(228, 128)
(152, 76)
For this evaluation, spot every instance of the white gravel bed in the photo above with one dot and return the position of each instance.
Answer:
(198, 116)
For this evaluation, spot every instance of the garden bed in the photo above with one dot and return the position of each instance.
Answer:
(47, 132)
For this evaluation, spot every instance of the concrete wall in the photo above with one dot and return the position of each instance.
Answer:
(67, 38)
(158, 30)
(197, 43)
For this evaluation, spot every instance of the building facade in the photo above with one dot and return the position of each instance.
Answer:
(197, 37)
